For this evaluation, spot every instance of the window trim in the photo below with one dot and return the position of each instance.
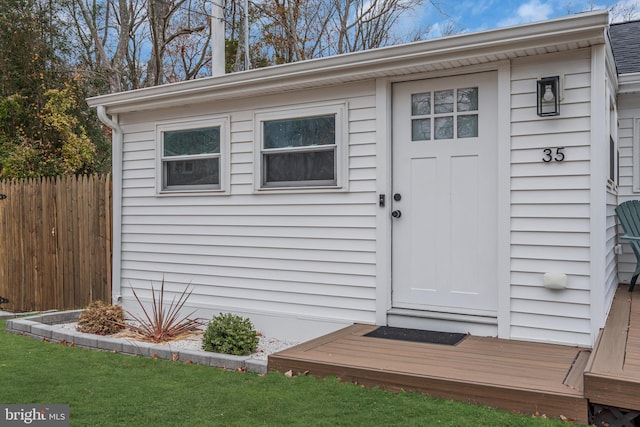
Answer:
(635, 149)
(613, 175)
(299, 112)
(188, 124)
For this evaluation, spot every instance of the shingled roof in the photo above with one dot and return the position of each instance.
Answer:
(625, 41)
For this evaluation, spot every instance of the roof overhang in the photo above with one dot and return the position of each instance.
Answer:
(629, 83)
(558, 35)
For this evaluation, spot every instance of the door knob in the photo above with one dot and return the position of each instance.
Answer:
(396, 214)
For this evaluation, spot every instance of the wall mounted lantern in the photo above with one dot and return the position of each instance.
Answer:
(549, 96)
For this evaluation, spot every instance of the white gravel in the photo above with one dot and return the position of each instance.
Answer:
(266, 346)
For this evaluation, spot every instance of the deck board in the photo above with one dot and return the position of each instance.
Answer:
(613, 376)
(575, 376)
(519, 376)
(499, 373)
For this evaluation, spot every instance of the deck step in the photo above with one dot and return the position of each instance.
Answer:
(612, 375)
(530, 378)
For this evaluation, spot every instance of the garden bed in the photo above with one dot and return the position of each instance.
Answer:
(49, 326)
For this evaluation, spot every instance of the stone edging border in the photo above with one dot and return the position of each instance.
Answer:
(41, 326)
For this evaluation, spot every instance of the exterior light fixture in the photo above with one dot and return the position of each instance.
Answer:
(548, 96)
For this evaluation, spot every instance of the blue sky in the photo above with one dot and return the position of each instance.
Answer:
(478, 15)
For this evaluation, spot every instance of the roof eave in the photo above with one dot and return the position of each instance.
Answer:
(629, 83)
(561, 34)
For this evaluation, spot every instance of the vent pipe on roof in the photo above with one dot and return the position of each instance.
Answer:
(217, 38)
(247, 64)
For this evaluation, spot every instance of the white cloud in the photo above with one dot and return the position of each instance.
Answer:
(531, 11)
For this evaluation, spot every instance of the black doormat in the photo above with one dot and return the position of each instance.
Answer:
(416, 335)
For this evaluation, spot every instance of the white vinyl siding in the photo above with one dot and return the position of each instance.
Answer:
(611, 238)
(629, 185)
(303, 256)
(550, 202)
(611, 259)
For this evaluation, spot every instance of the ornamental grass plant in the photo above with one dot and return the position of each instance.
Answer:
(164, 322)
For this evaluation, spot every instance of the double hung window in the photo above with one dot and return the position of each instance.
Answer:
(191, 155)
(300, 150)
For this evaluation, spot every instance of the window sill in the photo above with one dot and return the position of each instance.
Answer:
(302, 189)
(199, 192)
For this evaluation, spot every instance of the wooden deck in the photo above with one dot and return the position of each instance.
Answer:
(530, 378)
(517, 376)
(612, 376)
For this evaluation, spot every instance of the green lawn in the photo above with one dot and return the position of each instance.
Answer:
(106, 389)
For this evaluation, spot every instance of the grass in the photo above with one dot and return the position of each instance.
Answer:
(117, 390)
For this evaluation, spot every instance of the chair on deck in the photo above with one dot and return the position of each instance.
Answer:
(629, 216)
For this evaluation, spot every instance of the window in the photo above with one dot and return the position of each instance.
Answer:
(300, 150)
(614, 154)
(192, 155)
(444, 114)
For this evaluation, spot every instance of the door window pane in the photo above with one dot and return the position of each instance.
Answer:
(443, 127)
(468, 126)
(420, 129)
(443, 101)
(468, 99)
(420, 104)
(447, 117)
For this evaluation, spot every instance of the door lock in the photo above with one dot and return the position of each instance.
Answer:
(396, 214)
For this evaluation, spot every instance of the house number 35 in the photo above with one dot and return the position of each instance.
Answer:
(551, 154)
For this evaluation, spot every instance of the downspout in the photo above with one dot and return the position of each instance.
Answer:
(116, 162)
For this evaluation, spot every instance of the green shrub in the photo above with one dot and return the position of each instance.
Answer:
(230, 334)
(100, 318)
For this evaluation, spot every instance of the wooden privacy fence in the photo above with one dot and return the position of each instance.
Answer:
(55, 242)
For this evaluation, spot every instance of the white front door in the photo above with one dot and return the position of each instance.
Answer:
(444, 250)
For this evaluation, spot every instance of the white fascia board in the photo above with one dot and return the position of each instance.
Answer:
(629, 83)
(612, 72)
(576, 31)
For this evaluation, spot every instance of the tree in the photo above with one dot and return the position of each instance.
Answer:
(180, 39)
(109, 35)
(294, 30)
(139, 43)
(367, 25)
(625, 11)
(28, 50)
(45, 126)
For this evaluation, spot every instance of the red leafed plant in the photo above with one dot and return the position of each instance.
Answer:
(165, 322)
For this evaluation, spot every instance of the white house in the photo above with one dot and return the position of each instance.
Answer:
(414, 186)
(625, 41)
